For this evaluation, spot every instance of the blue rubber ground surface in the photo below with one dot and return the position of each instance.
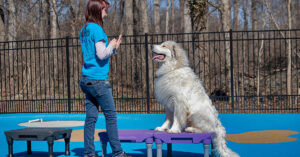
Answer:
(234, 124)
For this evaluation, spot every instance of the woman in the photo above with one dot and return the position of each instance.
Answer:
(94, 81)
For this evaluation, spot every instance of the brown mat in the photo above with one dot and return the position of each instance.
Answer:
(77, 135)
(267, 136)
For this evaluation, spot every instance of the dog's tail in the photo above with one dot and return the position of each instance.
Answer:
(219, 142)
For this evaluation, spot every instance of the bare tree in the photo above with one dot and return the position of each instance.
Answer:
(181, 15)
(54, 26)
(172, 16)
(44, 19)
(129, 17)
(245, 14)
(259, 56)
(296, 13)
(144, 17)
(11, 20)
(167, 17)
(198, 13)
(156, 16)
(289, 49)
(136, 17)
(145, 29)
(245, 17)
(74, 9)
(187, 20)
(122, 19)
(254, 14)
(271, 17)
(2, 27)
(224, 9)
(236, 7)
(68, 16)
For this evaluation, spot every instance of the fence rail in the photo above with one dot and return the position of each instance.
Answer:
(242, 71)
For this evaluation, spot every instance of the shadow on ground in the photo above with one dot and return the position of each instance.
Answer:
(142, 153)
(37, 154)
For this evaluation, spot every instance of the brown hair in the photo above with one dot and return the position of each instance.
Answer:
(93, 11)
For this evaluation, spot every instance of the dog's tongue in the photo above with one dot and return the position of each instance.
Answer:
(160, 57)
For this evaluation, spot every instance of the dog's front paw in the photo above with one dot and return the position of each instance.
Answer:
(160, 129)
(192, 130)
(174, 131)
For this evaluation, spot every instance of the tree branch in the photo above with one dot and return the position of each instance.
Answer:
(217, 6)
(272, 18)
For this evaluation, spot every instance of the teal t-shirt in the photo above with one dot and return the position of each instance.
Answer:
(93, 67)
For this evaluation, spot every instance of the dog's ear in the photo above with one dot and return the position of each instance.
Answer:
(179, 55)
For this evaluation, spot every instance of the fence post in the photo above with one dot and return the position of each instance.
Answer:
(68, 74)
(231, 71)
(147, 73)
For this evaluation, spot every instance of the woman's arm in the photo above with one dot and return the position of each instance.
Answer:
(104, 52)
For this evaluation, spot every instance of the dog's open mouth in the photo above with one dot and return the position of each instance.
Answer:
(159, 57)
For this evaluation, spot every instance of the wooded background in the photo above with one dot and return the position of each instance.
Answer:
(34, 19)
(256, 65)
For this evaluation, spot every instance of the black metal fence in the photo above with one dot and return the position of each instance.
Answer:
(242, 71)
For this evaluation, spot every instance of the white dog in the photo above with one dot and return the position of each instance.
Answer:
(186, 103)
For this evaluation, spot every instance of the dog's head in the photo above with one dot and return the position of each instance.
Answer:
(170, 51)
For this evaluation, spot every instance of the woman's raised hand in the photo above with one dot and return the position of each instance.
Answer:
(115, 43)
(119, 40)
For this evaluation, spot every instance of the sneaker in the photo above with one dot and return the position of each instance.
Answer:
(91, 155)
(124, 155)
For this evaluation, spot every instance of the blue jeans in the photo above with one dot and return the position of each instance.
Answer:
(97, 92)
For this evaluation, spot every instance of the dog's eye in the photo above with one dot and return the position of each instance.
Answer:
(163, 46)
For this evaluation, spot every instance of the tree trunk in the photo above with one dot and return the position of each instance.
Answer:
(236, 7)
(198, 13)
(245, 17)
(145, 29)
(129, 17)
(73, 9)
(2, 26)
(167, 17)
(296, 12)
(156, 17)
(144, 17)
(172, 17)
(122, 14)
(79, 16)
(260, 53)
(44, 19)
(254, 14)
(226, 25)
(255, 44)
(182, 2)
(136, 17)
(187, 20)
(11, 20)
(54, 27)
(289, 49)
(225, 15)
(245, 14)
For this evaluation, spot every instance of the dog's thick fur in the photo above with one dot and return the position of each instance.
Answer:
(186, 103)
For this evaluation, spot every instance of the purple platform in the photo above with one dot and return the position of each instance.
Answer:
(130, 135)
(183, 137)
(149, 136)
